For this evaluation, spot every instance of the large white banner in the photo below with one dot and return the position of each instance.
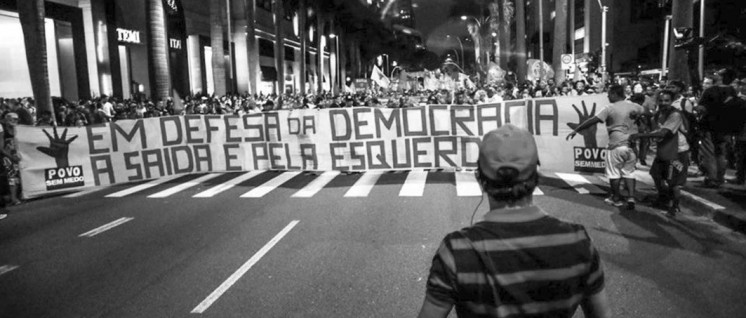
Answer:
(349, 139)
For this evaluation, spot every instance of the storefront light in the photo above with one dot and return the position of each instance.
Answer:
(295, 24)
(141, 88)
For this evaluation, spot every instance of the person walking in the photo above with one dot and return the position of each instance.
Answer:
(715, 127)
(620, 118)
(518, 261)
(671, 163)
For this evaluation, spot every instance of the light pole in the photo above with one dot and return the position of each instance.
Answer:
(461, 45)
(604, 10)
(666, 32)
(701, 62)
(337, 67)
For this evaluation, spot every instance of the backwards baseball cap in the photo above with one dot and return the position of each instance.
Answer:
(508, 147)
(11, 115)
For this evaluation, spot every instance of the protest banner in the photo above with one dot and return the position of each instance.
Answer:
(346, 139)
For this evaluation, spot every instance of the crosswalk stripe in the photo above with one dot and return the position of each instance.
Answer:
(141, 187)
(184, 186)
(316, 185)
(579, 183)
(84, 192)
(227, 185)
(467, 185)
(538, 191)
(364, 185)
(414, 186)
(270, 185)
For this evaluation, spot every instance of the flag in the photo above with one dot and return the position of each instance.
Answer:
(379, 78)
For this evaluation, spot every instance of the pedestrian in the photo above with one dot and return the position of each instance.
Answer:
(518, 261)
(10, 183)
(671, 163)
(620, 118)
(715, 127)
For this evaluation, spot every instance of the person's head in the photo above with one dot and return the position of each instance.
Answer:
(650, 90)
(707, 82)
(580, 86)
(638, 89)
(507, 165)
(11, 119)
(727, 76)
(665, 98)
(627, 90)
(676, 86)
(637, 98)
(616, 93)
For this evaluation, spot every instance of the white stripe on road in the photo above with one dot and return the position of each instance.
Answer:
(227, 185)
(364, 185)
(579, 183)
(414, 186)
(316, 185)
(84, 192)
(207, 302)
(538, 191)
(141, 187)
(704, 201)
(183, 186)
(106, 227)
(467, 185)
(7, 268)
(270, 185)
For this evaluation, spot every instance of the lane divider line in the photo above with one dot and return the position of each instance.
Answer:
(207, 302)
(7, 268)
(227, 185)
(316, 185)
(106, 227)
(184, 186)
(141, 187)
(270, 185)
(414, 186)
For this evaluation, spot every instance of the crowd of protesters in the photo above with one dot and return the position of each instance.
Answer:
(720, 150)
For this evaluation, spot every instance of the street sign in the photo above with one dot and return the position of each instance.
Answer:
(567, 61)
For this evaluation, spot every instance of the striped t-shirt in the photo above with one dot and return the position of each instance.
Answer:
(539, 267)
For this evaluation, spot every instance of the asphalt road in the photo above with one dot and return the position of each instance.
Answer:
(343, 251)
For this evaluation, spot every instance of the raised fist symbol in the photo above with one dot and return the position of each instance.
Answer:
(589, 134)
(58, 147)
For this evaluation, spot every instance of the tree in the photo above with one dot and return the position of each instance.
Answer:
(158, 49)
(216, 42)
(560, 39)
(31, 14)
(683, 15)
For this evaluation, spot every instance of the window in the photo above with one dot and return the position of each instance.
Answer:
(289, 54)
(266, 48)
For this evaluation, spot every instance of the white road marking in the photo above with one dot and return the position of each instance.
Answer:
(84, 192)
(704, 201)
(579, 183)
(207, 302)
(414, 186)
(364, 185)
(270, 185)
(538, 191)
(141, 187)
(7, 268)
(316, 185)
(467, 185)
(184, 186)
(106, 227)
(227, 185)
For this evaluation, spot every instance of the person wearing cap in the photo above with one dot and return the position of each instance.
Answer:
(501, 265)
(620, 118)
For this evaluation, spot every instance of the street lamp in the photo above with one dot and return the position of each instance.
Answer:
(604, 10)
(462, 48)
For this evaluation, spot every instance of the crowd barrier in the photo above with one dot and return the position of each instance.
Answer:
(347, 139)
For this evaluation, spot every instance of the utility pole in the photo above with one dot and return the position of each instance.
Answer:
(604, 10)
(541, 41)
(666, 32)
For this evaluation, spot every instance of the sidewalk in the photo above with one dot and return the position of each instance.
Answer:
(725, 205)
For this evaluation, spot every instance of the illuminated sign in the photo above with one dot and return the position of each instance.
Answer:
(174, 44)
(128, 36)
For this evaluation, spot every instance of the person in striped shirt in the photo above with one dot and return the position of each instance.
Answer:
(518, 261)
